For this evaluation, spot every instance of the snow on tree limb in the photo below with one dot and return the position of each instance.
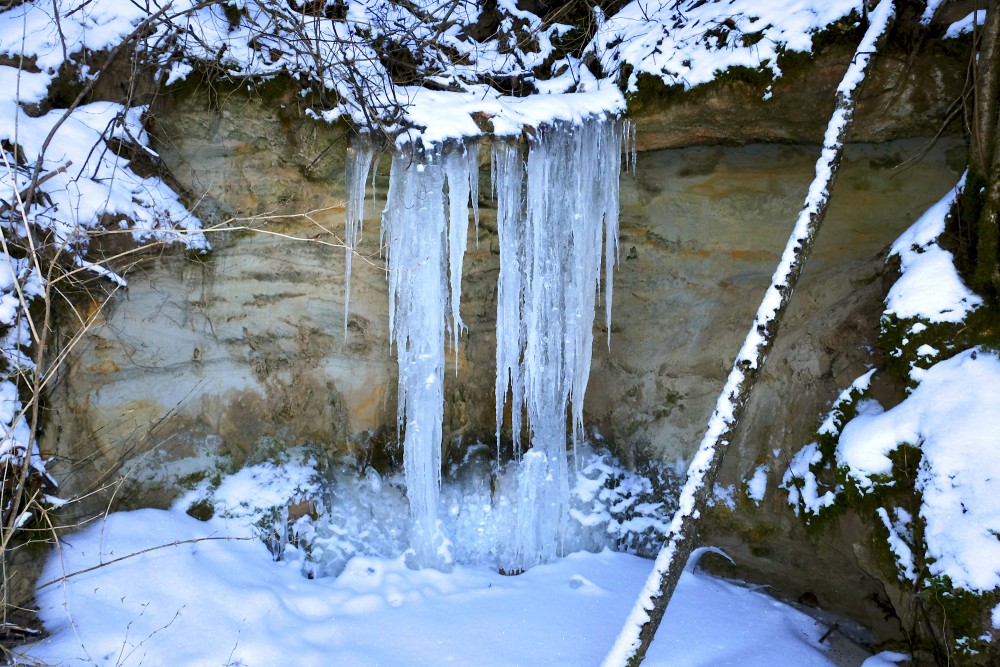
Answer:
(641, 625)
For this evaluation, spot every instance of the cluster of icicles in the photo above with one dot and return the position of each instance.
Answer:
(557, 219)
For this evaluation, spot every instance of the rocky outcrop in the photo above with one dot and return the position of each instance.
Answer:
(249, 342)
(215, 355)
(914, 89)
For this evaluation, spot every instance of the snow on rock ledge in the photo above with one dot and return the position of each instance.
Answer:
(929, 287)
(689, 43)
(958, 432)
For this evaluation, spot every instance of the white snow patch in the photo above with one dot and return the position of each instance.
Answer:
(689, 42)
(886, 659)
(929, 287)
(723, 495)
(967, 24)
(929, 11)
(900, 540)
(958, 433)
(249, 494)
(806, 492)
(757, 485)
(212, 598)
(834, 419)
(806, 496)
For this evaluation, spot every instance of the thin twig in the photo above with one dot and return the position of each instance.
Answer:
(175, 543)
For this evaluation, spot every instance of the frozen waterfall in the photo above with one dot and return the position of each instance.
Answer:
(557, 219)
(425, 249)
(551, 242)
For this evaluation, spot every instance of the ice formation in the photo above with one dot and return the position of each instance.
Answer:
(550, 259)
(360, 155)
(461, 168)
(425, 251)
(557, 213)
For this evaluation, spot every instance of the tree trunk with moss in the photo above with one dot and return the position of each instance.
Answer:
(984, 159)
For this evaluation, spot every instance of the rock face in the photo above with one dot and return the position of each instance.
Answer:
(250, 341)
(217, 354)
(910, 91)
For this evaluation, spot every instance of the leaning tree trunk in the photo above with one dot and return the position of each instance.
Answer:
(632, 643)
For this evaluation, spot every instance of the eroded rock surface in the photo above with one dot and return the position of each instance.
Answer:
(210, 356)
(911, 90)
(249, 341)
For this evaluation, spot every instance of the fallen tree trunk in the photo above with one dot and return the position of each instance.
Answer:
(634, 639)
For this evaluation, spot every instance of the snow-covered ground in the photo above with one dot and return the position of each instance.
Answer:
(159, 587)
(198, 598)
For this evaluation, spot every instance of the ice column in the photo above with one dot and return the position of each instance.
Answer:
(508, 179)
(557, 219)
(552, 245)
(425, 249)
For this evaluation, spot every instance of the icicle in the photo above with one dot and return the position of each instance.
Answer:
(549, 279)
(359, 161)
(508, 185)
(616, 140)
(462, 171)
(555, 212)
(473, 157)
(414, 227)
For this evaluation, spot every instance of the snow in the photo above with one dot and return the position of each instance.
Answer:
(900, 540)
(757, 485)
(723, 495)
(886, 659)
(203, 594)
(442, 116)
(95, 182)
(689, 42)
(805, 496)
(929, 287)
(956, 431)
(254, 492)
(929, 11)
(808, 494)
(965, 25)
(20, 283)
(833, 422)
